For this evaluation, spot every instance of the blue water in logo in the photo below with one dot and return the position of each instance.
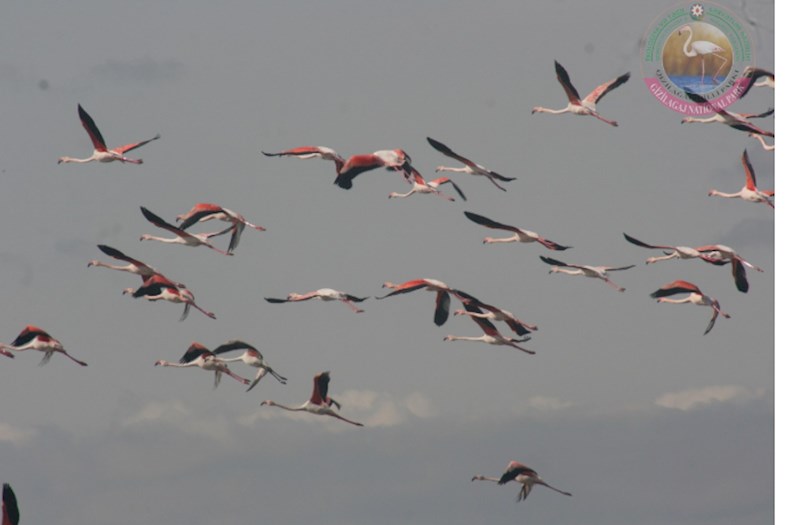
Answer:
(693, 83)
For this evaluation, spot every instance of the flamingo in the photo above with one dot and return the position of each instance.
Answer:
(754, 73)
(323, 294)
(134, 266)
(749, 191)
(442, 310)
(490, 333)
(677, 252)
(319, 404)
(419, 185)
(492, 313)
(695, 297)
(587, 106)
(470, 167)
(251, 357)
(200, 356)
(34, 338)
(203, 211)
(725, 254)
(311, 152)
(520, 235)
(10, 507)
(526, 476)
(702, 48)
(735, 120)
(159, 288)
(764, 145)
(599, 272)
(181, 237)
(396, 159)
(101, 153)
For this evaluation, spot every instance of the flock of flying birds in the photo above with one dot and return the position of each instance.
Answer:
(155, 286)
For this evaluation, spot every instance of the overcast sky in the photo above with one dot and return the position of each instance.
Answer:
(626, 404)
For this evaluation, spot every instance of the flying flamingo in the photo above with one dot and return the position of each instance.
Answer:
(470, 167)
(492, 313)
(204, 211)
(764, 145)
(323, 294)
(181, 237)
(734, 120)
(442, 295)
(526, 476)
(159, 288)
(702, 48)
(34, 338)
(396, 159)
(587, 106)
(310, 152)
(695, 297)
(749, 192)
(319, 404)
(200, 356)
(251, 357)
(420, 185)
(520, 235)
(101, 153)
(676, 252)
(134, 266)
(599, 272)
(490, 333)
(10, 508)
(725, 254)
(754, 73)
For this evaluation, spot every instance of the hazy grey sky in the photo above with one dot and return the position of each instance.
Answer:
(626, 404)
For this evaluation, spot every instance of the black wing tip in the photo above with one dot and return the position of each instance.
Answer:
(274, 300)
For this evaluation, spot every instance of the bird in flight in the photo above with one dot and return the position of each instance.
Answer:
(34, 338)
(598, 272)
(323, 294)
(101, 153)
(469, 166)
(695, 297)
(320, 403)
(519, 235)
(526, 476)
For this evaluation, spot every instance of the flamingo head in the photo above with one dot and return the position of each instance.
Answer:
(267, 402)
(388, 284)
(93, 262)
(160, 362)
(711, 193)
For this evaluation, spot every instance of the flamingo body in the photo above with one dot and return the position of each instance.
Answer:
(695, 296)
(34, 338)
(519, 235)
(323, 294)
(597, 272)
(525, 476)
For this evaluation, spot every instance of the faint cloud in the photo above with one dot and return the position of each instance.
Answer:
(548, 404)
(9, 434)
(697, 397)
(143, 70)
(175, 414)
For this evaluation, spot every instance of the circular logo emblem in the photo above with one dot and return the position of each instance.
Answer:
(700, 48)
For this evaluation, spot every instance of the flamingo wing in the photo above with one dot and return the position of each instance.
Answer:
(129, 147)
(619, 268)
(441, 148)
(161, 223)
(198, 211)
(637, 242)
(442, 307)
(748, 172)
(232, 345)
(356, 165)
(194, 351)
(447, 180)
(406, 287)
(489, 223)
(276, 300)
(116, 254)
(676, 287)
(556, 262)
(10, 507)
(28, 334)
(320, 393)
(739, 274)
(712, 320)
(563, 79)
(513, 470)
(91, 128)
(754, 73)
(600, 91)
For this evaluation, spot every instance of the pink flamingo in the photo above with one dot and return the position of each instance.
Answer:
(598, 272)
(419, 185)
(159, 288)
(749, 191)
(204, 211)
(134, 266)
(251, 357)
(520, 235)
(101, 153)
(470, 167)
(492, 313)
(34, 338)
(311, 152)
(323, 294)
(490, 333)
(396, 160)
(695, 297)
(734, 120)
(442, 310)
(181, 237)
(201, 357)
(10, 508)
(587, 106)
(526, 476)
(702, 48)
(320, 403)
